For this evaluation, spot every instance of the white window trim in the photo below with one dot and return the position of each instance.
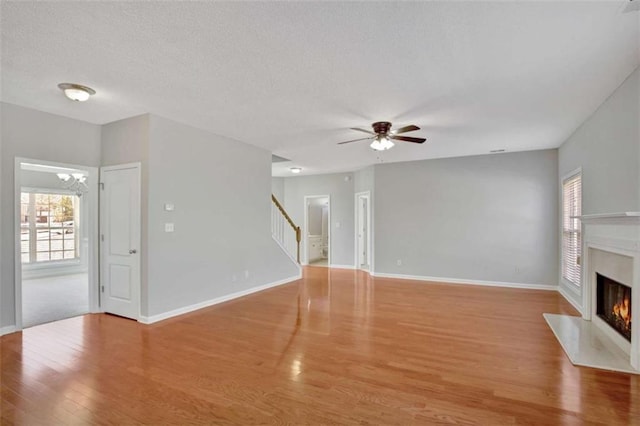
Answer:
(59, 263)
(575, 288)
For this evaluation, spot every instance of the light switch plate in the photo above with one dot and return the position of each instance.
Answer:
(168, 227)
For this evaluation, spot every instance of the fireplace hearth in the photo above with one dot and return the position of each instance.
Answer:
(613, 304)
(604, 337)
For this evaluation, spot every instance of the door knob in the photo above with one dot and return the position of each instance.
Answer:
(133, 251)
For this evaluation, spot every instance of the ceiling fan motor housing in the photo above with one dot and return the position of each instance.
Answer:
(381, 127)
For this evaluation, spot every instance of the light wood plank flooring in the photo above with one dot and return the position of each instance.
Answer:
(337, 347)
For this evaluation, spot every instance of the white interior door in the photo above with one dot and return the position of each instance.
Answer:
(120, 240)
(362, 229)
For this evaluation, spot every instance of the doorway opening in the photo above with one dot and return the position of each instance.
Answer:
(317, 238)
(363, 231)
(56, 236)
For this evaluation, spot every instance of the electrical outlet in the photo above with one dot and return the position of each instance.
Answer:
(246, 274)
(399, 262)
(234, 278)
(168, 227)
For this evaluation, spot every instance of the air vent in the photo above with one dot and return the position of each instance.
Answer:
(496, 151)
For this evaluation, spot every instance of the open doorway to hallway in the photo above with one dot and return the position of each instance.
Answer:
(55, 266)
(316, 230)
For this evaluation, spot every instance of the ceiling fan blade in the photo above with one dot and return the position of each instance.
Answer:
(405, 129)
(407, 139)
(363, 130)
(355, 140)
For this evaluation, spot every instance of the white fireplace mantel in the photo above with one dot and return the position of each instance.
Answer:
(619, 218)
(617, 234)
(610, 246)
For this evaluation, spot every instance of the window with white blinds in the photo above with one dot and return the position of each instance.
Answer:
(571, 228)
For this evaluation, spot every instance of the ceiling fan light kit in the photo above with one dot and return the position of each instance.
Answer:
(383, 136)
(381, 143)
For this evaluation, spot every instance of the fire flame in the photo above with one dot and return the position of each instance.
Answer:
(622, 311)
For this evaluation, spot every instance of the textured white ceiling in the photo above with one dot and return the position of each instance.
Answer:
(293, 77)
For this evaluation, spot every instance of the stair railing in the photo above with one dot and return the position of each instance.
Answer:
(284, 231)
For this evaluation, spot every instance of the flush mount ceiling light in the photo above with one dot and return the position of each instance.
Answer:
(76, 92)
(295, 170)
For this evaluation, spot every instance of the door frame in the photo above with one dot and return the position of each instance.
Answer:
(305, 233)
(138, 167)
(367, 196)
(92, 232)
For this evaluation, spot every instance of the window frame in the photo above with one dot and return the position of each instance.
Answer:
(35, 264)
(568, 283)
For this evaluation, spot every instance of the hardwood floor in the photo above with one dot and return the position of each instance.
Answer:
(336, 347)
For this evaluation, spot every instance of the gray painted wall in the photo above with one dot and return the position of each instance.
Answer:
(32, 179)
(315, 215)
(465, 218)
(35, 135)
(127, 141)
(363, 179)
(42, 180)
(221, 191)
(219, 235)
(342, 216)
(490, 218)
(607, 147)
(277, 188)
(3, 236)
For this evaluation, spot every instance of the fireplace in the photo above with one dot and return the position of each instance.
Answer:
(611, 275)
(613, 304)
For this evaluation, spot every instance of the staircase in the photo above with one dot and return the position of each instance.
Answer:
(284, 231)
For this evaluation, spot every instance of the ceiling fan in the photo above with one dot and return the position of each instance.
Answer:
(383, 136)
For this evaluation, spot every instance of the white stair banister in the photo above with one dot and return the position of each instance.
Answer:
(283, 230)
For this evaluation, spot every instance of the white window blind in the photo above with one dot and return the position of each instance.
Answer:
(571, 228)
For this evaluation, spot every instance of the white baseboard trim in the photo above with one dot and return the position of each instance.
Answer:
(527, 286)
(333, 265)
(7, 330)
(569, 299)
(184, 310)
